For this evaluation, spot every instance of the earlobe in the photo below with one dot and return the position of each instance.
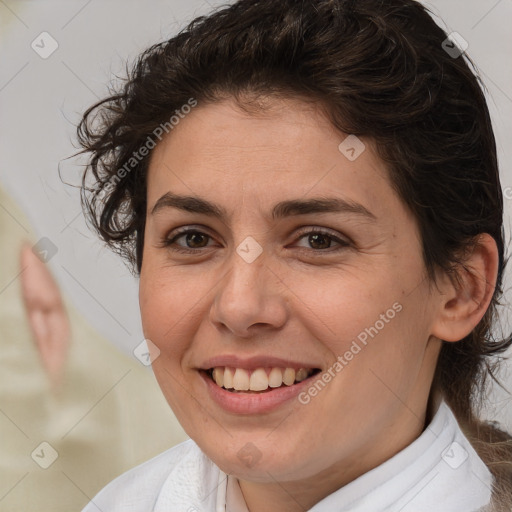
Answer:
(464, 301)
(46, 314)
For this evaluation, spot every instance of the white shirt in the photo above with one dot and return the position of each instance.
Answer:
(438, 471)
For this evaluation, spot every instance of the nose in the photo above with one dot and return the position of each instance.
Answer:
(250, 298)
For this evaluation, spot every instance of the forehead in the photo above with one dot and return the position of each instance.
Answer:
(288, 150)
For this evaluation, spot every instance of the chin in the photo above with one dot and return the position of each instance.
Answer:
(251, 464)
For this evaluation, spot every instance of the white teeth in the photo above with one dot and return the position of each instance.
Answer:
(228, 378)
(259, 380)
(218, 376)
(241, 380)
(289, 376)
(275, 378)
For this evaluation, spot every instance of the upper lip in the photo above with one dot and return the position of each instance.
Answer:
(252, 363)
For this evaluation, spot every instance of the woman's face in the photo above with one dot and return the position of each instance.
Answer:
(261, 288)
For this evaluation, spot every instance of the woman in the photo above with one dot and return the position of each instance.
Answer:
(309, 193)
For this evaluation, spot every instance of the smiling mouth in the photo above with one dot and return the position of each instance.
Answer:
(260, 380)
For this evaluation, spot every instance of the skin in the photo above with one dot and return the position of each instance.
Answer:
(46, 314)
(297, 299)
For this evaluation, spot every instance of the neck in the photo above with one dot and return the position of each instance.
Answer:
(297, 496)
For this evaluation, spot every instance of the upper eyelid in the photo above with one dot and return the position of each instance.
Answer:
(301, 232)
(207, 231)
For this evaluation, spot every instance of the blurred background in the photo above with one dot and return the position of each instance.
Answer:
(56, 59)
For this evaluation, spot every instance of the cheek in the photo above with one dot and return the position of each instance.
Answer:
(171, 305)
(338, 307)
(157, 307)
(373, 322)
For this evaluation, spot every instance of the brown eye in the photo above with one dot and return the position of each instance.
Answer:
(321, 240)
(194, 241)
(194, 238)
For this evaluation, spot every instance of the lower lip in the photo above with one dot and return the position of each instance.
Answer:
(253, 403)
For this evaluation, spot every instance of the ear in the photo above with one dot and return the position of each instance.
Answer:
(464, 301)
(46, 314)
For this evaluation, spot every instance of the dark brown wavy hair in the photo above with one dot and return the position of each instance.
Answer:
(379, 69)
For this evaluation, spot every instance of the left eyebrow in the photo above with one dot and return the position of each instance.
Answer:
(283, 209)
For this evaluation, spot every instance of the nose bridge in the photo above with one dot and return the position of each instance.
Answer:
(245, 280)
(248, 293)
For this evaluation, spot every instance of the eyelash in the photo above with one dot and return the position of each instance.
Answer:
(168, 242)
